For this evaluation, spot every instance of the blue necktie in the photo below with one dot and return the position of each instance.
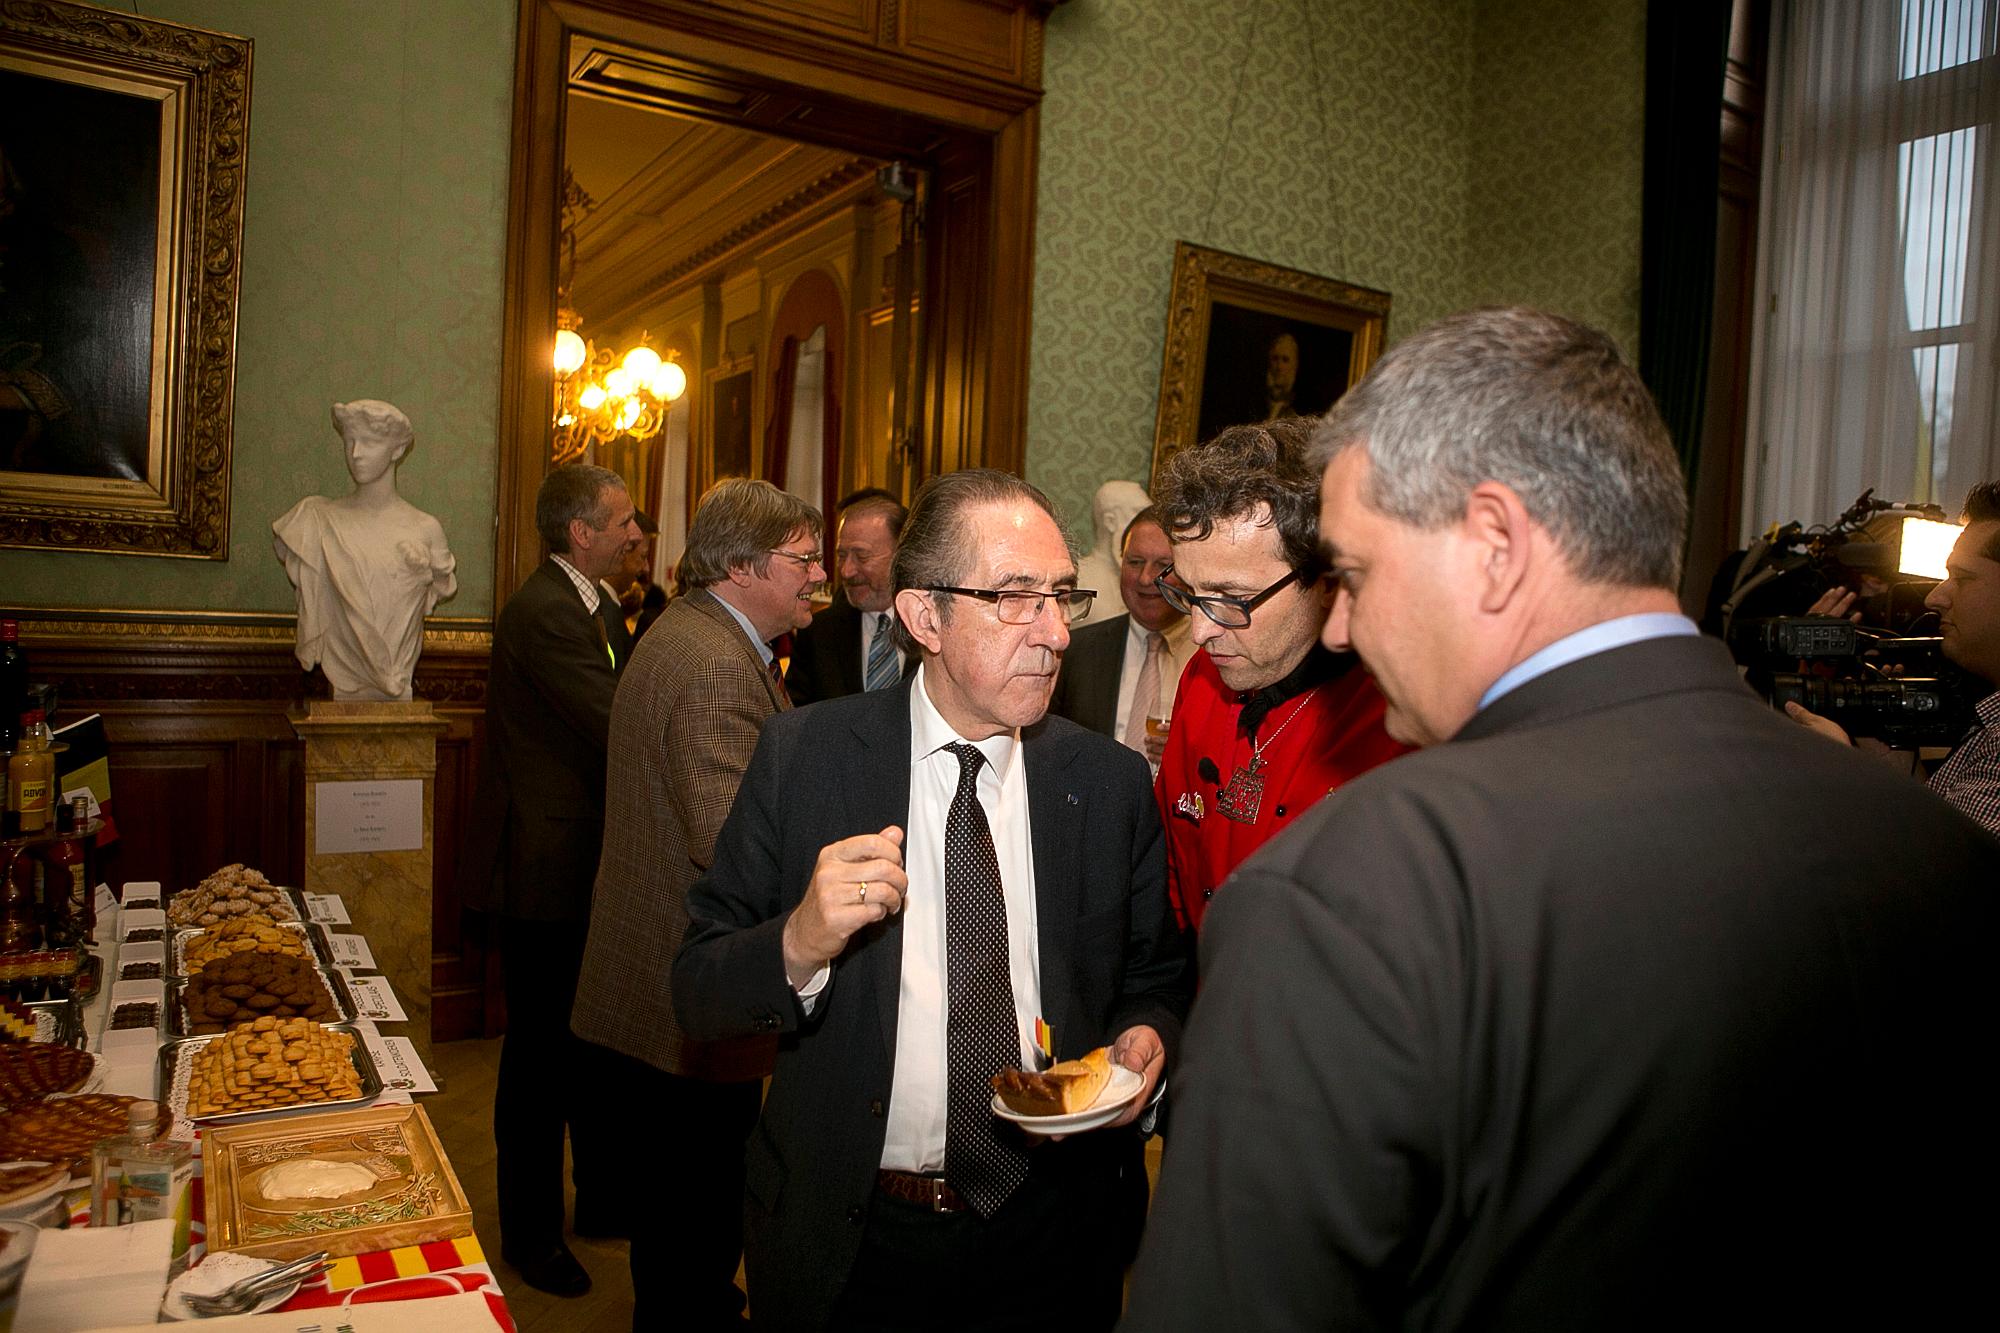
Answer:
(883, 669)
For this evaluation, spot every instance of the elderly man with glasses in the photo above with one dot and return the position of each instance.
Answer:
(1267, 721)
(916, 890)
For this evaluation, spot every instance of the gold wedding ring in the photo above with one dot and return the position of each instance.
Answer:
(863, 899)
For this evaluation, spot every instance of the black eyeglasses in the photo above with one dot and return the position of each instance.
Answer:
(1024, 608)
(1228, 612)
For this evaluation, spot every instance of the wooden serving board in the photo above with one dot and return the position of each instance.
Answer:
(416, 1197)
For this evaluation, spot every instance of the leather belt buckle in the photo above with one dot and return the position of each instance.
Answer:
(932, 1192)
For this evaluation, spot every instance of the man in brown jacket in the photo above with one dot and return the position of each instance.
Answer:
(686, 717)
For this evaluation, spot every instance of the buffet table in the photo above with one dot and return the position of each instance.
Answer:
(135, 1062)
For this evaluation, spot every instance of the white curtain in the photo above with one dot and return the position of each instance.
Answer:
(1877, 358)
(670, 506)
(805, 447)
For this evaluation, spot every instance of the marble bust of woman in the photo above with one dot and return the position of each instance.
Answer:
(368, 566)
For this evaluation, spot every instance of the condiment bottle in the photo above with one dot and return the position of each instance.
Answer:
(65, 881)
(31, 778)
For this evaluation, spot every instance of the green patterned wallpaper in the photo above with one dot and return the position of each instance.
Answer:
(1558, 128)
(1359, 139)
(373, 252)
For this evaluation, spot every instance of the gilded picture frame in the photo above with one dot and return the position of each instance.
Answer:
(124, 143)
(1246, 340)
(730, 447)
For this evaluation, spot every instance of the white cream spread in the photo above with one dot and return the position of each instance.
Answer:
(314, 1178)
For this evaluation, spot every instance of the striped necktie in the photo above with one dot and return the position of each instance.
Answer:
(883, 670)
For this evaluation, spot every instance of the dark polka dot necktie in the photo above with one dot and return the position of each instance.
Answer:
(981, 1038)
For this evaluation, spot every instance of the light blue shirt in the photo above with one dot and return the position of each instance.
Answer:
(1588, 642)
(763, 649)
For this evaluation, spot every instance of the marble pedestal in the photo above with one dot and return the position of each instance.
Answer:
(388, 893)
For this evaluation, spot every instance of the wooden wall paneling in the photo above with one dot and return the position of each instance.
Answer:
(979, 34)
(206, 769)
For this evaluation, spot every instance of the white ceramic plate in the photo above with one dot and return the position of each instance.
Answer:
(1118, 1092)
(174, 1307)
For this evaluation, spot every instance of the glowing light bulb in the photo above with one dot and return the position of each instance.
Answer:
(570, 353)
(592, 397)
(629, 418)
(641, 363)
(669, 382)
(619, 383)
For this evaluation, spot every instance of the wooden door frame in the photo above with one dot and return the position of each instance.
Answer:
(976, 410)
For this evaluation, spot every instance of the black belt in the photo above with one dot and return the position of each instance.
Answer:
(926, 1191)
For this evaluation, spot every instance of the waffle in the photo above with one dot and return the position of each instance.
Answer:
(30, 1071)
(63, 1131)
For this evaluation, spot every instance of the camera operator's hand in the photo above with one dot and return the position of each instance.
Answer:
(1834, 602)
(1812, 721)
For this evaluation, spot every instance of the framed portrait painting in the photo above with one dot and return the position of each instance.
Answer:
(122, 144)
(1248, 341)
(731, 424)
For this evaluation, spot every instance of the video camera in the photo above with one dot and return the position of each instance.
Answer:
(1883, 678)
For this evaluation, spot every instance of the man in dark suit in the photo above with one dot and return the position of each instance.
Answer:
(1627, 1003)
(851, 645)
(683, 725)
(893, 849)
(540, 808)
(1107, 682)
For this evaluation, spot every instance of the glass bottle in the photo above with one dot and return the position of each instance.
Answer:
(65, 878)
(140, 1176)
(13, 684)
(31, 776)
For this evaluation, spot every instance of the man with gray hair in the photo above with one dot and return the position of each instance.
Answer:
(920, 888)
(539, 809)
(701, 683)
(1560, 1022)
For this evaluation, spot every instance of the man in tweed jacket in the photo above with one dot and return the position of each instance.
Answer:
(686, 717)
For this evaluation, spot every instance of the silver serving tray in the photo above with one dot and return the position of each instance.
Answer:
(179, 1022)
(68, 1016)
(315, 942)
(175, 1053)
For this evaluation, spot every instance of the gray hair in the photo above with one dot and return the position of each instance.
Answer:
(1539, 403)
(740, 522)
(936, 548)
(574, 491)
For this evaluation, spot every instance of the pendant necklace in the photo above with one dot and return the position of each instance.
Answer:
(1243, 796)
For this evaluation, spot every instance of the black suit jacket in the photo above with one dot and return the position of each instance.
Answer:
(1087, 689)
(1632, 1006)
(539, 805)
(826, 656)
(1110, 958)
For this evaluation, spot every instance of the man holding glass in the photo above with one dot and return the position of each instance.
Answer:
(1267, 721)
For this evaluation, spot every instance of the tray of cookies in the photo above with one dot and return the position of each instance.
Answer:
(264, 1067)
(241, 988)
(194, 948)
(235, 890)
(62, 1129)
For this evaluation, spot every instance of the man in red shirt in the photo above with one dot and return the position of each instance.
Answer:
(1267, 720)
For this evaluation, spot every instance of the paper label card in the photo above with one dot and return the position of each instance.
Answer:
(327, 909)
(397, 1062)
(350, 951)
(385, 816)
(375, 1000)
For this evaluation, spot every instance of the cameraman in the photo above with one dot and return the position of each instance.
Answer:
(1968, 607)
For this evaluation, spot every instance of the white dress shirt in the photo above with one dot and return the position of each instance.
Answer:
(917, 1101)
(1173, 660)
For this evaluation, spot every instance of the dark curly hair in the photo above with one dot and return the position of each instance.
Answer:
(1228, 477)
